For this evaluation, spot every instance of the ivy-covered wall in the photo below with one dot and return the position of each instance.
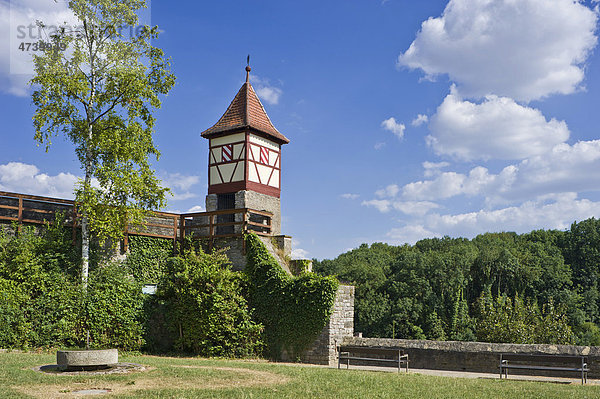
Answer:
(293, 310)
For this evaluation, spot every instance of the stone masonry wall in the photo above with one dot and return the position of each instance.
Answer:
(261, 202)
(339, 327)
(473, 356)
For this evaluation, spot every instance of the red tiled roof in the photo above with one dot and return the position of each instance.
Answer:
(246, 110)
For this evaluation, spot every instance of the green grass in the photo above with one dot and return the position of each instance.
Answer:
(214, 378)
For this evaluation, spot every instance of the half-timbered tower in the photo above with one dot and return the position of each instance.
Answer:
(244, 160)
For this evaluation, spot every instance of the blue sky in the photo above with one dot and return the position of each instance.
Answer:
(407, 119)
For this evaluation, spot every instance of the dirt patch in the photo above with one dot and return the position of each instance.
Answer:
(119, 368)
(206, 378)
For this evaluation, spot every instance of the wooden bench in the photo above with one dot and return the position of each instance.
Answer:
(543, 363)
(386, 356)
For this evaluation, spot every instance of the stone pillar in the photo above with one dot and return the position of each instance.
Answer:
(339, 326)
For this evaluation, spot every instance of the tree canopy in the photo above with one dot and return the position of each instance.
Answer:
(99, 88)
(540, 287)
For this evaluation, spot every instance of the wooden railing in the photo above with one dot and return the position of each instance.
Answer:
(209, 226)
(22, 208)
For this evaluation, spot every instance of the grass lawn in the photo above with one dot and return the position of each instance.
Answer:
(170, 377)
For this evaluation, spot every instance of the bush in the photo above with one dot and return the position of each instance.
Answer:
(15, 329)
(114, 309)
(205, 308)
(293, 310)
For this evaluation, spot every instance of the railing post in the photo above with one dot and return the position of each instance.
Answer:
(126, 238)
(245, 229)
(174, 234)
(181, 230)
(211, 232)
(20, 215)
(74, 224)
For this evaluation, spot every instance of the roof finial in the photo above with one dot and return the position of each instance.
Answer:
(248, 69)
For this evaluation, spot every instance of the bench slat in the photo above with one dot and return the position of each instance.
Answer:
(536, 359)
(374, 359)
(542, 358)
(533, 367)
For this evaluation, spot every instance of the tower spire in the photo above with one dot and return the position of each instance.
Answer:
(248, 69)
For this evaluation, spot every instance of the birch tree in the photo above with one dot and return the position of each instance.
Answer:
(99, 88)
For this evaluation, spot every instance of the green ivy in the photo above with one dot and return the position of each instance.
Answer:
(114, 309)
(205, 308)
(147, 257)
(299, 266)
(293, 310)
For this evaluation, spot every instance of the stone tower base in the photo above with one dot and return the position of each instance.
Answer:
(339, 327)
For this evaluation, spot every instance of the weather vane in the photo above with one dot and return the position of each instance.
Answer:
(248, 68)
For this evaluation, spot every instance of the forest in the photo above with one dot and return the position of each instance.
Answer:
(537, 287)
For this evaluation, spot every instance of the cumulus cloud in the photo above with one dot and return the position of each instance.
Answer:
(565, 168)
(180, 185)
(196, 208)
(410, 234)
(26, 178)
(446, 185)
(381, 205)
(414, 208)
(393, 126)
(497, 128)
(434, 168)
(525, 49)
(556, 212)
(350, 196)
(18, 25)
(419, 120)
(389, 191)
(379, 146)
(265, 90)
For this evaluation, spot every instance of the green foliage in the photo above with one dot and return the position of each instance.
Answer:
(42, 300)
(205, 307)
(432, 289)
(101, 93)
(15, 328)
(39, 287)
(293, 310)
(588, 334)
(299, 266)
(518, 321)
(147, 257)
(113, 309)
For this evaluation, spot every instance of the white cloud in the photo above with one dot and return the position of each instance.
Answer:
(265, 90)
(410, 234)
(553, 212)
(419, 120)
(381, 205)
(415, 208)
(390, 191)
(25, 178)
(379, 146)
(565, 168)
(434, 168)
(525, 49)
(497, 128)
(196, 208)
(448, 184)
(350, 196)
(180, 185)
(393, 126)
(299, 253)
(18, 25)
